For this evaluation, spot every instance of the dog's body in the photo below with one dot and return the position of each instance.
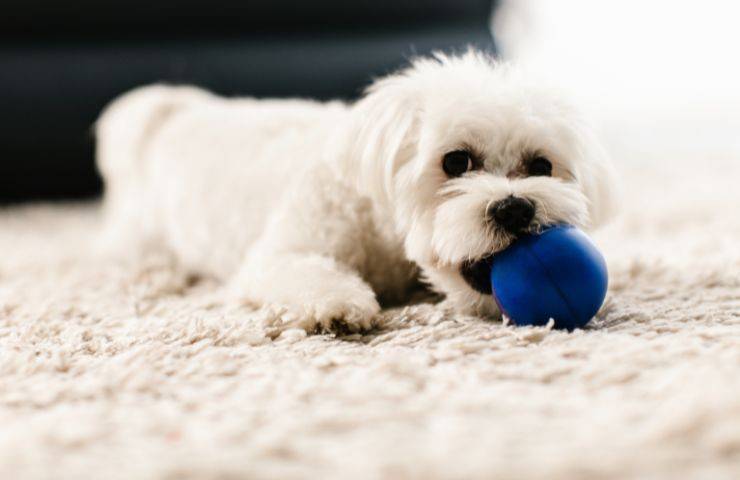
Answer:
(318, 209)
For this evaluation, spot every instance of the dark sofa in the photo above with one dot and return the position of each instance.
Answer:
(61, 62)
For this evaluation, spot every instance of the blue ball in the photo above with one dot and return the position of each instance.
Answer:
(557, 274)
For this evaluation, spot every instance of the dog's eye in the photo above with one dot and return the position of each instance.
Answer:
(539, 167)
(456, 163)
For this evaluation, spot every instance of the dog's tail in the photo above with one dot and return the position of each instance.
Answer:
(124, 131)
(131, 121)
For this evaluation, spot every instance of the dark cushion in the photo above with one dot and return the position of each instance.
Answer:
(133, 19)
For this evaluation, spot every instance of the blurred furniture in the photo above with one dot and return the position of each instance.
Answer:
(61, 62)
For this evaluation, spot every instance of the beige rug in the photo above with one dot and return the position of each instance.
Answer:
(110, 370)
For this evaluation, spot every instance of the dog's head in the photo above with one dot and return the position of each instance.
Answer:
(467, 155)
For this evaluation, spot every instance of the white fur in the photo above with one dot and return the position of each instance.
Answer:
(316, 210)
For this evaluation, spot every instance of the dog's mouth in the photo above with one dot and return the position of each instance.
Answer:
(477, 274)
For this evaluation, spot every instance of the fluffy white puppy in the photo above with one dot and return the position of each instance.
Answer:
(318, 211)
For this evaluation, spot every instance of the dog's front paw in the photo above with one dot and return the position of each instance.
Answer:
(341, 313)
(311, 292)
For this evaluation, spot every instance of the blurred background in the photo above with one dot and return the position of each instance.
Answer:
(660, 78)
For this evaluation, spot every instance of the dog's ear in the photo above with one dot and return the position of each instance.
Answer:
(599, 181)
(382, 134)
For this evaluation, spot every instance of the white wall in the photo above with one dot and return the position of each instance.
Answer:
(662, 78)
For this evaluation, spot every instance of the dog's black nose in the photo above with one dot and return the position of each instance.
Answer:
(513, 213)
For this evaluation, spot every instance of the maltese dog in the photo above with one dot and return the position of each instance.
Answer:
(320, 212)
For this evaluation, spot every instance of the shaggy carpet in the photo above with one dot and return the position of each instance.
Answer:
(118, 369)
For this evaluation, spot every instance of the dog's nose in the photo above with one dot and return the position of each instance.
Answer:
(513, 213)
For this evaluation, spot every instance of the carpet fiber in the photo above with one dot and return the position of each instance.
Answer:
(117, 369)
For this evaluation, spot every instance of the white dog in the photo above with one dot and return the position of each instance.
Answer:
(319, 210)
